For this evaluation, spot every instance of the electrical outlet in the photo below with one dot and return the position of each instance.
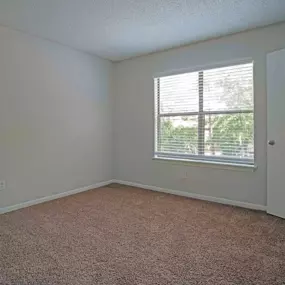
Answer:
(2, 185)
(184, 175)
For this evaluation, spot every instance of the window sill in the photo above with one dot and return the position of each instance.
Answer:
(209, 164)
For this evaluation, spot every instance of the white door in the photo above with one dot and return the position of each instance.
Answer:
(276, 133)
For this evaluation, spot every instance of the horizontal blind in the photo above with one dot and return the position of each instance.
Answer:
(206, 115)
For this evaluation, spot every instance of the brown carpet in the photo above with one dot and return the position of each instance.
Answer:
(126, 235)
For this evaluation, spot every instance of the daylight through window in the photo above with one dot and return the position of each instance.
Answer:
(206, 115)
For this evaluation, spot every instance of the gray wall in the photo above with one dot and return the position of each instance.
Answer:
(55, 118)
(68, 119)
(133, 113)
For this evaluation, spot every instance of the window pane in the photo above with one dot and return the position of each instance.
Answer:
(229, 136)
(222, 126)
(179, 93)
(229, 88)
(178, 135)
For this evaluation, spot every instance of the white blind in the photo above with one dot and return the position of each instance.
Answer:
(206, 115)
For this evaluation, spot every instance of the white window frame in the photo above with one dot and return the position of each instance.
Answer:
(202, 159)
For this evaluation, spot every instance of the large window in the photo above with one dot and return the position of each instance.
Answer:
(206, 115)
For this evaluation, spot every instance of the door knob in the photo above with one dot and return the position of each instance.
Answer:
(271, 142)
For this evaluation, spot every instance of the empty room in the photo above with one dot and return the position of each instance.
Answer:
(142, 142)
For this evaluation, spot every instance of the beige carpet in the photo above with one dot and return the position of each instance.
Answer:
(125, 235)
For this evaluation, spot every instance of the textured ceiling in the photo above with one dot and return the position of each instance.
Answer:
(119, 29)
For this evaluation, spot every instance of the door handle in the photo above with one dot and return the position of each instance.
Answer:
(271, 142)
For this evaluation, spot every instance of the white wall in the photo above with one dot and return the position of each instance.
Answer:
(133, 123)
(55, 118)
(57, 114)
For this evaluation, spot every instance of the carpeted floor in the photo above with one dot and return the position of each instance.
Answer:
(124, 235)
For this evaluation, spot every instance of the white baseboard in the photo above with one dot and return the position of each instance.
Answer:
(195, 196)
(53, 197)
(143, 186)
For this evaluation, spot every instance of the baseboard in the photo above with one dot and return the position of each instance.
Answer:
(194, 196)
(134, 184)
(53, 197)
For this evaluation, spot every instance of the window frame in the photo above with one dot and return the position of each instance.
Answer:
(201, 158)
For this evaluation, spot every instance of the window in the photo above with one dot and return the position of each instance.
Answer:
(206, 115)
